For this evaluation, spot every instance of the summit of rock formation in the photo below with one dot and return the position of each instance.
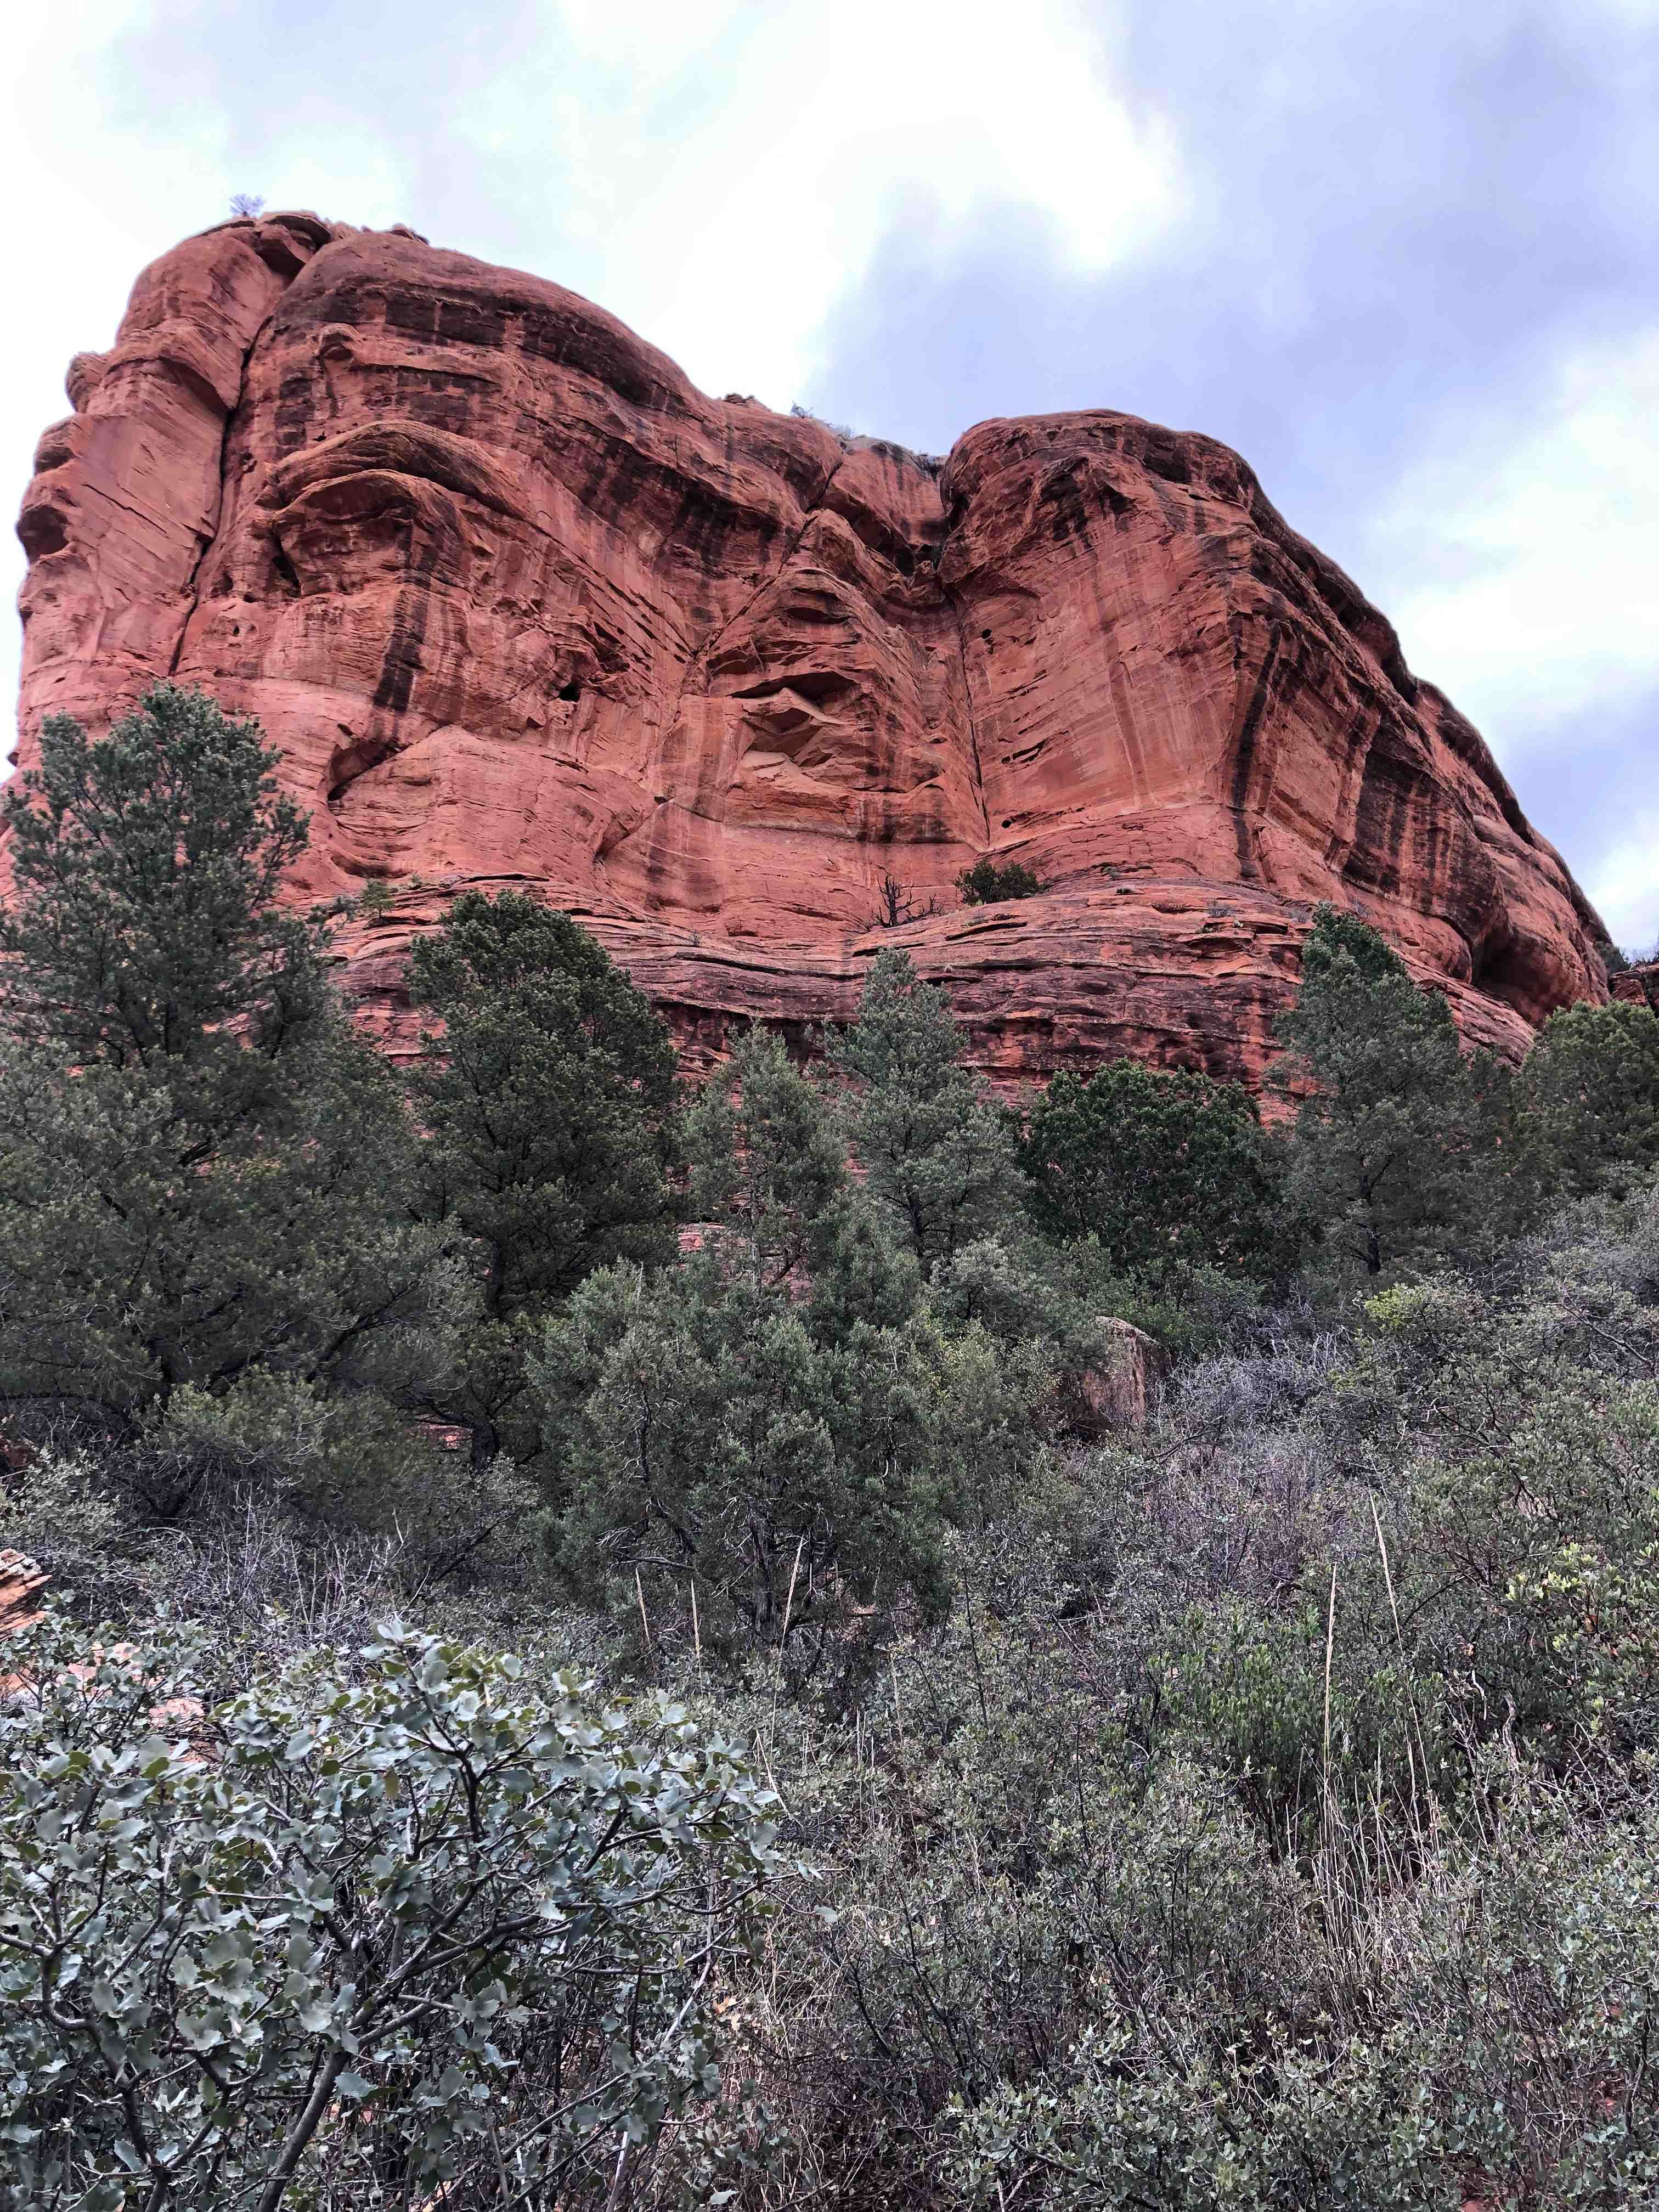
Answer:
(522, 607)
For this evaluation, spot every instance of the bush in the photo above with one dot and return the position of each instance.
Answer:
(354, 1936)
(1166, 1170)
(987, 884)
(1587, 1103)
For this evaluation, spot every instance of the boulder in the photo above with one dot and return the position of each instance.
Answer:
(1116, 1393)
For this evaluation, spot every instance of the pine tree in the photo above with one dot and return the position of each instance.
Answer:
(937, 1153)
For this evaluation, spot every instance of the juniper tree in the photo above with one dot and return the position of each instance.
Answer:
(1389, 1147)
(781, 1425)
(199, 1161)
(1587, 1103)
(937, 1150)
(1165, 1168)
(547, 1102)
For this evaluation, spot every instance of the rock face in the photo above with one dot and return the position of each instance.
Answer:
(523, 607)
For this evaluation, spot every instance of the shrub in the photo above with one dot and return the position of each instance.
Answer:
(357, 1937)
(987, 884)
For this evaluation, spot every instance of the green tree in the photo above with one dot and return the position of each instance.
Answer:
(1586, 1105)
(202, 1167)
(987, 884)
(144, 925)
(780, 1425)
(936, 1151)
(1165, 1169)
(1390, 1145)
(547, 1101)
(361, 1937)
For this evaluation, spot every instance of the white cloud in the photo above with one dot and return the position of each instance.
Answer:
(717, 175)
(730, 174)
(1523, 581)
(1622, 883)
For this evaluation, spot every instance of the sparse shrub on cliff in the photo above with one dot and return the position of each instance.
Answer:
(897, 905)
(987, 884)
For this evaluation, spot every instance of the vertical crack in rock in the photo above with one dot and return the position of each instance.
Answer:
(192, 590)
(968, 698)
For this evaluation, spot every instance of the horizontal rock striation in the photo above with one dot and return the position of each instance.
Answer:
(522, 607)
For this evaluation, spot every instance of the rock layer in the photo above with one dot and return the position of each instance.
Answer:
(521, 606)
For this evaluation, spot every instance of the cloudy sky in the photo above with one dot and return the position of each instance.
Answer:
(1402, 254)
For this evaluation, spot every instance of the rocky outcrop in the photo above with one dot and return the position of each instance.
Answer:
(1117, 1393)
(22, 1586)
(1638, 985)
(523, 607)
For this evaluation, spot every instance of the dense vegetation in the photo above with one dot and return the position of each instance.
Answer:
(603, 1653)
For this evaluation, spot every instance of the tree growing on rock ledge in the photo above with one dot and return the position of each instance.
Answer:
(987, 884)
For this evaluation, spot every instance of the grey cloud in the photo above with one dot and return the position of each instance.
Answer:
(1397, 214)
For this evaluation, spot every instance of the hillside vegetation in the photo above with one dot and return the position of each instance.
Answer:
(602, 1650)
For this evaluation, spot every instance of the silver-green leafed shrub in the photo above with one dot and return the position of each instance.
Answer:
(355, 1935)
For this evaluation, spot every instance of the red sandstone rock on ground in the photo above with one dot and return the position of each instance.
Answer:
(22, 1586)
(1117, 1392)
(523, 607)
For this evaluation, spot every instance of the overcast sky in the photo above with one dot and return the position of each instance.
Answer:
(1404, 256)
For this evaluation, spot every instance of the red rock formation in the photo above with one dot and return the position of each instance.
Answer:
(22, 1585)
(521, 606)
(1638, 985)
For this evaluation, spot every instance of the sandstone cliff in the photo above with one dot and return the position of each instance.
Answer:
(523, 607)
